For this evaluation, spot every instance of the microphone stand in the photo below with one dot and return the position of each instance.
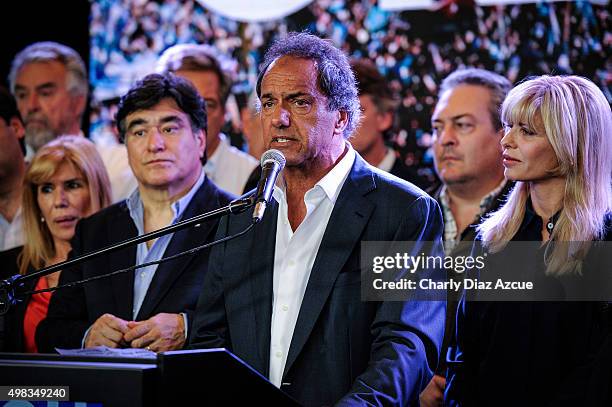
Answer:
(8, 286)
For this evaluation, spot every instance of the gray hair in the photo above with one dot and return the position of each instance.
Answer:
(76, 73)
(334, 75)
(196, 57)
(497, 85)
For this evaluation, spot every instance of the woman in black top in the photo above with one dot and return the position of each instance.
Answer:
(548, 352)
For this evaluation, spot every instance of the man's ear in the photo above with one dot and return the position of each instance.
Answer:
(384, 121)
(200, 136)
(79, 102)
(341, 122)
(17, 127)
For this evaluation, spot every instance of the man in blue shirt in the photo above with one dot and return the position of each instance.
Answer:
(163, 122)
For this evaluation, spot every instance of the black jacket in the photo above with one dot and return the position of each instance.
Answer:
(369, 352)
(174, 288)
(463, 248)
(547, 353)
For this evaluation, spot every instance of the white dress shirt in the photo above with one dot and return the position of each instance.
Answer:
(295, 254)
(387, 162)
(11, 233)
(115, 159)
(229, 168)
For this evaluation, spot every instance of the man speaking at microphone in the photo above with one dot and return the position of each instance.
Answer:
(286, 296)
(163, 122)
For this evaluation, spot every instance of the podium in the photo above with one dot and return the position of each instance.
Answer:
(177, 378)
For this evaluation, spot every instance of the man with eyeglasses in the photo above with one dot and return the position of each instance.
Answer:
(228, 167)
(467, 157)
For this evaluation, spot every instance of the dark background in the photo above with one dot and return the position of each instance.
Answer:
(28, 21)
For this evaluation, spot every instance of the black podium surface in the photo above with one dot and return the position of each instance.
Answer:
(185, 378)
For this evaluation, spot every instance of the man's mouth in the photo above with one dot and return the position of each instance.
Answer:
(36, 123)
(281, 140)
(158, 161)
(450, 158)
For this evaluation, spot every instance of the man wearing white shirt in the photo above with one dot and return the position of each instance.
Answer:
(286, 298)
(228, 167)
(49, 81)
(12, 171)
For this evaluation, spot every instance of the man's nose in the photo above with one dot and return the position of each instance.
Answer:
(281, 117)
(155, 141)
(447, 135)
(32, 103)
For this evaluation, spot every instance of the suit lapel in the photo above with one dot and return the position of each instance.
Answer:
(205, 199)
(122, 284)
(264, 237)
(350, 215)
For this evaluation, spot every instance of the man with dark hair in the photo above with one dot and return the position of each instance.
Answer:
(163, 121)
(49, 81)
(378, 107)
(12, 171)
(228, 167)
(468, 159)
(287, 297)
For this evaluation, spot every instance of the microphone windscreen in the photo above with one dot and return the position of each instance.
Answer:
(274, 156)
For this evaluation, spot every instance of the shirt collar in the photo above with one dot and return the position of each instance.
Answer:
(387, 162)
(17, 215)
(488, 200)
(485, 202)
(532, 216)
(331, 183)
(211, 162)
(134, 202)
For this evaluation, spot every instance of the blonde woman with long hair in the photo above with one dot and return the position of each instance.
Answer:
(558, 148)
(65, 181)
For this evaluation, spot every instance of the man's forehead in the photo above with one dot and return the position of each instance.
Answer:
(289, 74)
(41, 72)
(292, 60)
(205, 81)
(463, 100)
(162, 110)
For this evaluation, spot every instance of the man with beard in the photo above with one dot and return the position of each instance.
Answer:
(49, 81)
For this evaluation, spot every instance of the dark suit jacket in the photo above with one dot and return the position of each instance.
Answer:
(174, 288)
(11, 324)
(463, 248)
(377, 352)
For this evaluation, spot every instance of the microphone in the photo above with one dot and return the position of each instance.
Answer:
(272, 162)
(11, 288)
